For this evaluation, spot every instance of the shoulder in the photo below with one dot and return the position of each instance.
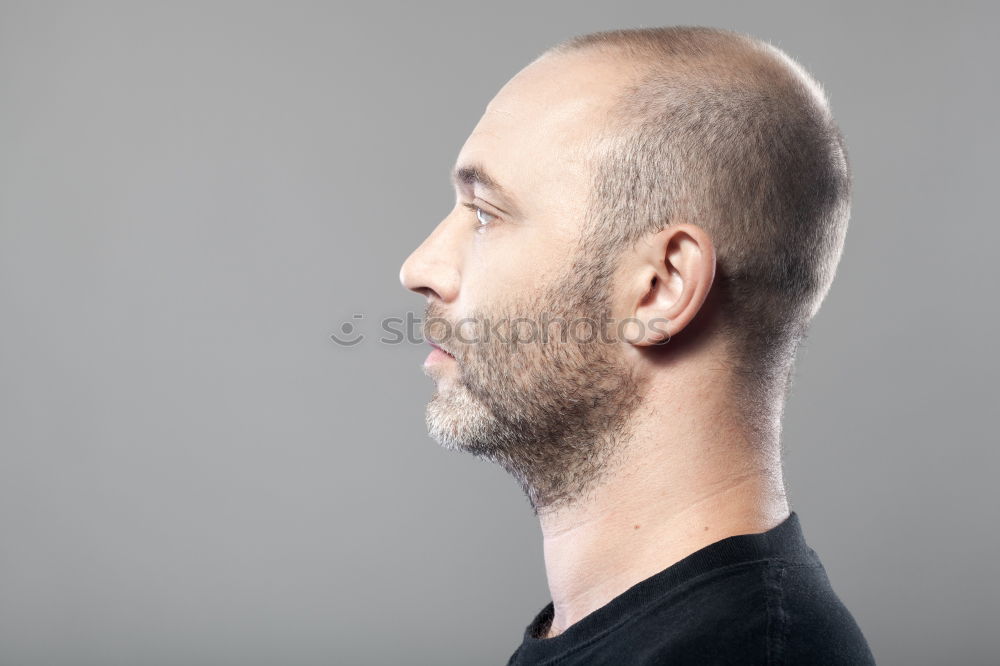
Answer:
(810, 622)
(761, 613)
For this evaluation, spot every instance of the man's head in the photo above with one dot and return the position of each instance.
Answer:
(690, 181)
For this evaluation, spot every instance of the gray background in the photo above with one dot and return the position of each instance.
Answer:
(194, 196)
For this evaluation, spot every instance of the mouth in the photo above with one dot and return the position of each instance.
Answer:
(438, 355)
(440, 348)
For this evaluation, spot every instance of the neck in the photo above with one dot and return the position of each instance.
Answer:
(687, 477)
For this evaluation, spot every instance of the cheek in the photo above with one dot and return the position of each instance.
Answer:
(505, 264)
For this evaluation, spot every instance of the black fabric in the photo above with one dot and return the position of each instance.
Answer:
(748, 599)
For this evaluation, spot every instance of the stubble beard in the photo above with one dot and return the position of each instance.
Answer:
(554, 414)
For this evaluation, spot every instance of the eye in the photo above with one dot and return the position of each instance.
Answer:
(481, 215)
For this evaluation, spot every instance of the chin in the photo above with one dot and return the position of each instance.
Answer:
(456, 420)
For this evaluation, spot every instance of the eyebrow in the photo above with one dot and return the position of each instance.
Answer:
(476, 174)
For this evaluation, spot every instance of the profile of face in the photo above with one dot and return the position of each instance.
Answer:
(549, 408)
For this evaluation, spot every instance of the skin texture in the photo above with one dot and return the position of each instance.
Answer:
(657, 462)
(551, 414)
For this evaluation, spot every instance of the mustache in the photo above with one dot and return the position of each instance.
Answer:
(434, 312)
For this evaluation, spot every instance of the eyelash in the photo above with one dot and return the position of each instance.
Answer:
(474, 208)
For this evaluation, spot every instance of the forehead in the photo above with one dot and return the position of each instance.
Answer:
(533, 136)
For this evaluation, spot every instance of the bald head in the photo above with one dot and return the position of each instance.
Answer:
(724, 131)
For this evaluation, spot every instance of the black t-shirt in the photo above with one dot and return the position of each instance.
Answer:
(751, 599)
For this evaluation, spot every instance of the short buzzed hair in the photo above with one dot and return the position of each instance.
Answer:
(727, 132)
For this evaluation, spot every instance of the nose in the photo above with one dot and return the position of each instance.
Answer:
(432, 270)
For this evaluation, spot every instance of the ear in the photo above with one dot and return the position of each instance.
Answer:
(673, 276)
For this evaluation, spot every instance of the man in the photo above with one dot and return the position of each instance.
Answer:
(684, 193)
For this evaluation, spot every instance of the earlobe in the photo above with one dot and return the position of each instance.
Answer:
(681, 259)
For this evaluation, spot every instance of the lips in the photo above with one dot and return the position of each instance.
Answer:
(442, 349)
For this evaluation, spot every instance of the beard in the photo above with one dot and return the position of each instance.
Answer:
(552, 411)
